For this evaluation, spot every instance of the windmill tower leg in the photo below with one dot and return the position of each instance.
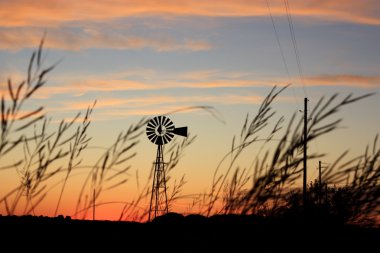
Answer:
(159, 200)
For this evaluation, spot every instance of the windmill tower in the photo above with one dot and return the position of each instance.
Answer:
(160, 130)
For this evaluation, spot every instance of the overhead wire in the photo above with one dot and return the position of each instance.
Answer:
(281, 51)
(278, 40)
(295, 47)
(296, 52)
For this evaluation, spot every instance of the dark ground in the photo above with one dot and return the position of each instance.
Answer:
(175, 233)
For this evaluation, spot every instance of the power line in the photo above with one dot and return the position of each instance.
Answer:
(294, 42)
(278, 40)
(281, 51)
(296, 51)
(301, 76)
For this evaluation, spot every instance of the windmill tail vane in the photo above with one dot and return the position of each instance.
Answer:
(160, 130)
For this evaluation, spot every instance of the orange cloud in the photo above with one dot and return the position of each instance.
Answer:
(344, 80)
(16, 38)
(210, 74)
(80, 88)
(51, 13)
(121, 103)
(157, 105)
(120, 114)
(202, 79)
(115, 107)
(156, 100)
(148, 80)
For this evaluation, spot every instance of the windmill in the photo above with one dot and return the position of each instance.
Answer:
(160, 130)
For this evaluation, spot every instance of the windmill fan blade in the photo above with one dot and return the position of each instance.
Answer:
(160, 130)
(182, 131)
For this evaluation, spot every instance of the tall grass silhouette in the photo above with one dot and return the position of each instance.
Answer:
(263, 188)
(350, 189)
(39, 149)
(51, 152)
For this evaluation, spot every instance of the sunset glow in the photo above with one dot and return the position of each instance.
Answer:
(210, 62)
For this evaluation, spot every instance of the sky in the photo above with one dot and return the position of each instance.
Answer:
(146, 58)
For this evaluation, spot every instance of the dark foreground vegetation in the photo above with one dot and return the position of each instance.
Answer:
(193, 233)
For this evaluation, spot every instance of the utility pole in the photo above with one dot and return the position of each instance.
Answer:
(320, 167)
(93, 205)
(305, 156)
(320, 174)
(320, 183)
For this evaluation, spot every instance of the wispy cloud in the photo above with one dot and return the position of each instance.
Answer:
(81, 88)
(112, 103)
(148, 101)
(148, 80)
(113, 108)
(50, 13)
(116, 108)
(110, 108)
(152, 80)
(72, 39)
(359, 81)
(212, 74)
(77, 25)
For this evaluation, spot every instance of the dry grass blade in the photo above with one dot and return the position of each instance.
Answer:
(271, 177)
(77, 143)
(6, 167)
(118, 173)
(39, 51)
(248, 137)
(119, 153)
(28, 115)
(214, 113)
(10, 89)
(29, 77)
